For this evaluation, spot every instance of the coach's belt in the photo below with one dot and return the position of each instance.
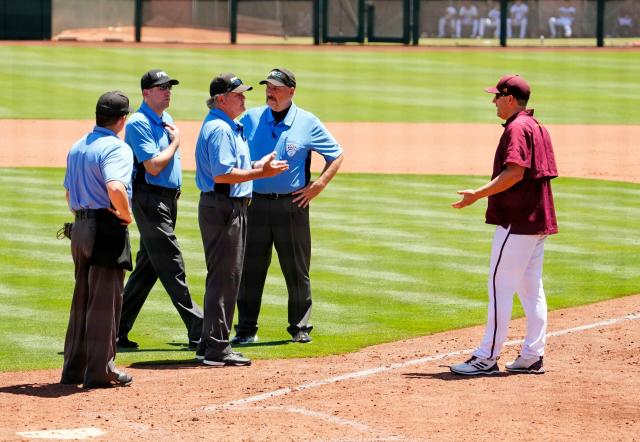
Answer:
(272, 196)
(157, 190)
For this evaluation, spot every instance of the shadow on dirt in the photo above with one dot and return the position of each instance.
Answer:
(448, 376)
(52, 390)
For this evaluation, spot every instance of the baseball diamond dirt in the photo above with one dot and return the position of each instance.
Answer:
(395, 391)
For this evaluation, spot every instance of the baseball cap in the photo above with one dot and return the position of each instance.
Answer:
(113, 103)
(511, 84)
(156, 77)
(280, 77)
(227, 83)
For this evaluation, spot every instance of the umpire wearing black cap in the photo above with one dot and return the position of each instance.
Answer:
(224, 174)
(158, 177)
(98, 186)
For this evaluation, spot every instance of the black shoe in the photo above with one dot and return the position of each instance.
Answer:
(242, 340)
(200, 353)
(124, 342)
(116, 379)
(301, 337)
(230, 359)
(193, 344)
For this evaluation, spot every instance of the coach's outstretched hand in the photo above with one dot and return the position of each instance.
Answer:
(469, 197)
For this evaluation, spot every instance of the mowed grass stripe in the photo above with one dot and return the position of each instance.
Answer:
(389, 262)
(441, 85)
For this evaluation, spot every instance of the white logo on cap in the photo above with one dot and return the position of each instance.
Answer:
(233, 79)
(161, 74)
(291, 149)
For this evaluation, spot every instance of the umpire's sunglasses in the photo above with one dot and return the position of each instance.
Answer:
(234, 84)
(502, 94)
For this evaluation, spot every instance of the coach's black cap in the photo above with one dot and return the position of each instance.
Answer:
(280, 77)
(512, 84)
(156, 77)
(227, 83)
(113, 104)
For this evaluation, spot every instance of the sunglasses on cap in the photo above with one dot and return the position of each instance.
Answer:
(234, 84)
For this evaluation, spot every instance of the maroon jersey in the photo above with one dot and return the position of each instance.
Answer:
(527, 206)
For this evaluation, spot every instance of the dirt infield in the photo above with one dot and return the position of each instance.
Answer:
(607, 152)
(396, 391)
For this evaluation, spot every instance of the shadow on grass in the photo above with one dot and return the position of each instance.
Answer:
(167, 364)
(264, 344)
(52, 391)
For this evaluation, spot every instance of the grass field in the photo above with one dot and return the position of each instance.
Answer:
(389, 262)
(569, 86)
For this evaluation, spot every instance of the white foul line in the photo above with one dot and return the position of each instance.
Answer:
(71, 434)
(376, 370)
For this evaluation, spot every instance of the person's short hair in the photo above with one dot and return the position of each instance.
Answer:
(106, 120)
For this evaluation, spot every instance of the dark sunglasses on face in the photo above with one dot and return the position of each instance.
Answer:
(165, 87)
(502, 94)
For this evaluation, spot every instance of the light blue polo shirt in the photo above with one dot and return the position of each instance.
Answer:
(293, 140)
(97, 158)
(147, 137)
(220, 148)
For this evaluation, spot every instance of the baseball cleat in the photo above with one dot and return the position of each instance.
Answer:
(124, 342)
(241, 340)
(476, 366)
(230, 359)
(526, 365)
(301, 337)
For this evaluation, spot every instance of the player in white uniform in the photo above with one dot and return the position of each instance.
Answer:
(467, 16)
(566, 15)
(447, 21)
(519, 12)
(492, 20)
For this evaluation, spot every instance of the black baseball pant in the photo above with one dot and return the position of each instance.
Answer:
(155, 210)
(223, 226)
(274, 220)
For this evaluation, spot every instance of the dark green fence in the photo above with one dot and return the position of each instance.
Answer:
(25, 19)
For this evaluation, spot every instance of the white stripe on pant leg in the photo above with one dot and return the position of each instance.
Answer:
(510, 258)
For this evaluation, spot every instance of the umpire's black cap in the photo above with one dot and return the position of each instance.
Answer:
(156, 77)
(227, 83)
(280, 77)
(113, 104)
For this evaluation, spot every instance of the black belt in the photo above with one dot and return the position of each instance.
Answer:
(241, 199)
(86, 213)
(272, 196)
(157, 190)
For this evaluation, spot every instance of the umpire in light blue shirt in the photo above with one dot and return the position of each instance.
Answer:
(279, 215)
(157, 179)
(98, 186)
(224, 172)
